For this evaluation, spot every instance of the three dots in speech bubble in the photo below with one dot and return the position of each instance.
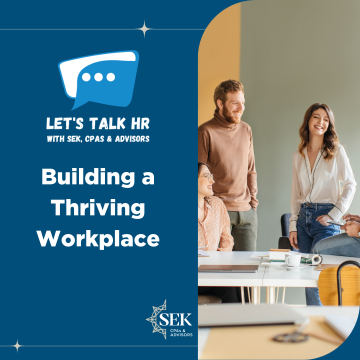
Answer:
(98, 77)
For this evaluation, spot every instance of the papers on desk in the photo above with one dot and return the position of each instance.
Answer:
(272, 255)
(259, 254)
(343, 325)
(202, 253)
(278, 255)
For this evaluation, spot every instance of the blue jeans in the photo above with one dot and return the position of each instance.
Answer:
(340, 245)
(309, 233)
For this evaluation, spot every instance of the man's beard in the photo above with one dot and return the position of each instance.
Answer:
(230, 117)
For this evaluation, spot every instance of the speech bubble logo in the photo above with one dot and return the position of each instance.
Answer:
(107, 79)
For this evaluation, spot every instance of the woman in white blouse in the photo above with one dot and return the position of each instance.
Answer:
(319, 166)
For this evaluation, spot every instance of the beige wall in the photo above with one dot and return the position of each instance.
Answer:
(219, 58)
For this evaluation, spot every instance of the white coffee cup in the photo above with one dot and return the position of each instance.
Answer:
(292, 259)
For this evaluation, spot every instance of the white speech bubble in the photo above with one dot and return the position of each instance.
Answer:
(70, 69)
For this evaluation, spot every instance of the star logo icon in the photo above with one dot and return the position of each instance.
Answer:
(153, 319)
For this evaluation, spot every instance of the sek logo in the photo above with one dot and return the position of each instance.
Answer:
(170, 319)
(174, 319)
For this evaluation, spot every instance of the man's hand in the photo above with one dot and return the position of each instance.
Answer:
(351, 217)
(352, 228)
(293, 239)
(323, 220)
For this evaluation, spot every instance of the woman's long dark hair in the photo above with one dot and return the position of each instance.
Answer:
(331, 139)
(200, 164)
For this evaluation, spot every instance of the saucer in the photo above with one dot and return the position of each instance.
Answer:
(295, 268)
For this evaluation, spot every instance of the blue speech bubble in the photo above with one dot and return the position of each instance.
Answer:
(108, 82)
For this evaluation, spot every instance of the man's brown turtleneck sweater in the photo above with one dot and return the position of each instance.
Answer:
(228, 150)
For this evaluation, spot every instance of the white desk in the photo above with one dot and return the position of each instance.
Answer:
(277, 276)
(230, 279)
(269, 275)
(254, 280)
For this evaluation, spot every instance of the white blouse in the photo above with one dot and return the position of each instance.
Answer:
(322, 184)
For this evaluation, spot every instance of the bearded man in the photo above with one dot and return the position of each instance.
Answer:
(225, 143)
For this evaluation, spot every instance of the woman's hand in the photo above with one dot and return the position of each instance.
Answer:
(323, 220)
(351, 217)
(352, 228)
(293, 239)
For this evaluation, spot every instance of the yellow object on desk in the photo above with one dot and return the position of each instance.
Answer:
(255, 342)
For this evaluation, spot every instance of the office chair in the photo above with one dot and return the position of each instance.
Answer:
(345, 279)
(284, 242)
